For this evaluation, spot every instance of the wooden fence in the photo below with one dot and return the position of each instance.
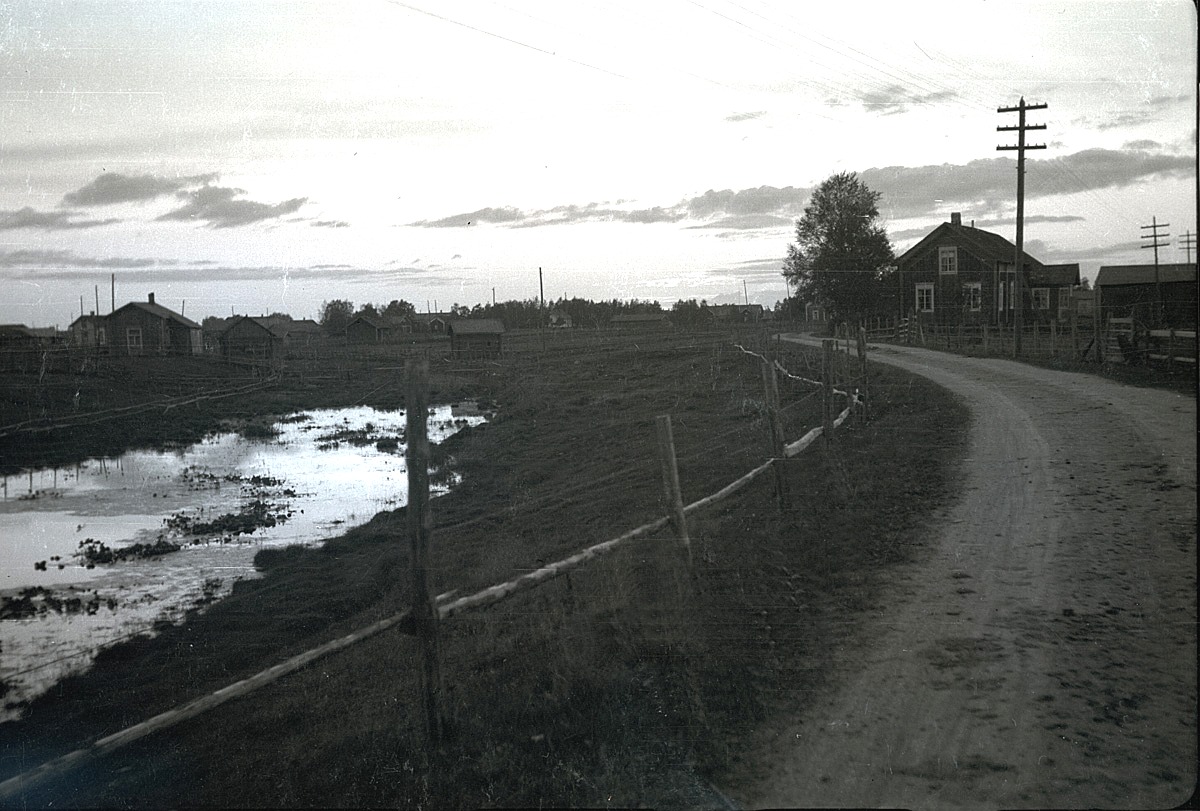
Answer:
(423, 617)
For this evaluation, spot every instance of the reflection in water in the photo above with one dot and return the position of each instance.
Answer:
(69, 585)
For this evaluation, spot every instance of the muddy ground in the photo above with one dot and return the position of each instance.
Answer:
(1042, 652)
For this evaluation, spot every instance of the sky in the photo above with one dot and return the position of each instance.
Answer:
(247, 156)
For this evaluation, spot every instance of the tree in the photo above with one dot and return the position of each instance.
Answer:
(336, 314)
(397, 309)
(841, 252)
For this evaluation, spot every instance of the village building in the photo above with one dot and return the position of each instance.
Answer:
(364, 330)
(147, 328)
(737, 313)
(89, 331)
(251, 339)
(433, 323)
(1131, 291)
(559, 320)
(960, 274)
(476, 337)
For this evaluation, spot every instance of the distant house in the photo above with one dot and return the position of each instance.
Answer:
(89, 331)
(364, 330)
(434, 323)
(146, 328)
(641, 321)
(1130, 291)
(476, 337)
(250, 339)
(959, 274)
(737, 313)
(560, 320)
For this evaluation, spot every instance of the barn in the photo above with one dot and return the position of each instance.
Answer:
(147, 328)
(1131, 291)
(476, 337)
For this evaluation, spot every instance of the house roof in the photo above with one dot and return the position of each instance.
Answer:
(432, 316)
(476, 326)
(1114, 275)
(16, 329)
(1056, 275)
(989, 247)
(162, 312)
(366, 320)
(87, 319)
(275, 330)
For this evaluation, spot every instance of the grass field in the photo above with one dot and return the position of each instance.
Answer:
(602, 688)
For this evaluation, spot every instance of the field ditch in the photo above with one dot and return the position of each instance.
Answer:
(590, 691)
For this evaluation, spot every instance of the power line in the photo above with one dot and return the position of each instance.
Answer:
(1155, 244)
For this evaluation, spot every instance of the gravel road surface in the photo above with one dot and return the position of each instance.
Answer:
(1043, 655)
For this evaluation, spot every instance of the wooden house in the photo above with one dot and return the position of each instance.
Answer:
(476, 337)
(89, 331)
(146, 328)
(251, 339)
(737, 313)
(364, 330)
(1131, 291)
(960, 274)
(433, 323)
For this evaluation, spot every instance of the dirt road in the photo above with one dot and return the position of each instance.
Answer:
(1043, 655)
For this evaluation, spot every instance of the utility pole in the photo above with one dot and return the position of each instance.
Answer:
(745, 293)
(1189, 242)
(1020, 147)
(1155, 244)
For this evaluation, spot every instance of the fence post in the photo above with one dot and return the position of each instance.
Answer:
(1053, 337)
(827, 389)
(1170, 349)
(862, 360)
(671, 490)
(420, 530)
(775, 425)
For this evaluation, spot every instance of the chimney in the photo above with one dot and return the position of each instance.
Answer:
(956, 218)
(151, 298)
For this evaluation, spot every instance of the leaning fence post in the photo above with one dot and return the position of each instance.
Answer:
(862, 360)
(827, 389)
(775, 426)
(420, 530)
(671, 490)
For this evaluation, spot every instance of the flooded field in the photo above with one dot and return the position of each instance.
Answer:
(106, 550)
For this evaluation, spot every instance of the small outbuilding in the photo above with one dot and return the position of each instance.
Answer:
(476, 337)
(250, 339)
(364, 330)
(1132, 291)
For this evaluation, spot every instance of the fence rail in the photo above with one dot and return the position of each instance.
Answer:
(443, 607)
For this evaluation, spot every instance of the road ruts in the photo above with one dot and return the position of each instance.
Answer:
(1044, 654)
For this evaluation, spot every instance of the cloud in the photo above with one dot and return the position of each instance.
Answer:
(108, 189)
(1144, 145)
(745, 116)
(503, 215)
(331, 224)
(895, 99)
(788, 200)
(748, 222)
(216, 206)
(46, 220)
(58, 260)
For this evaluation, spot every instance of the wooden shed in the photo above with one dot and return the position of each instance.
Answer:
(363, 330)
(250, 339)
(1131, 291)
(146, 328)
(478, 338)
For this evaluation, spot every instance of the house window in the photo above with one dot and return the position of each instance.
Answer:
(1005, 288)
(1041, 298)
(133, 338)
(1064, 303)
(972, 296)
(101, 337)
(925, 297)
(948, 260)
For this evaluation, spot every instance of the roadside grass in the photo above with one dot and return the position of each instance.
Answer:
(622, 684)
